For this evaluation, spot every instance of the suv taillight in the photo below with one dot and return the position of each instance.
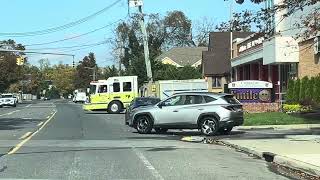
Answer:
(236, 108)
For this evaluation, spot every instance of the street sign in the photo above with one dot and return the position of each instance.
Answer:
(135, 3)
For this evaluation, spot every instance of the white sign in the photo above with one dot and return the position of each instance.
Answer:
(135, 3)
(251, 44)
(250, 84)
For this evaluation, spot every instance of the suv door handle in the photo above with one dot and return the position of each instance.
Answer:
(175, 110)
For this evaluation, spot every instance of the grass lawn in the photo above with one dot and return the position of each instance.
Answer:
(277, 118)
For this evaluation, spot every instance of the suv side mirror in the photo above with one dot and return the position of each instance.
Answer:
(160, 105)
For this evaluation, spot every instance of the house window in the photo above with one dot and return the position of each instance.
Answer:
(216, 82)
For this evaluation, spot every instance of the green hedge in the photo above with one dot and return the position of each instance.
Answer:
(305, 91)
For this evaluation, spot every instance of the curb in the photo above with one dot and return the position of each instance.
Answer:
(280, 127)
(195, 139)
(282, 160)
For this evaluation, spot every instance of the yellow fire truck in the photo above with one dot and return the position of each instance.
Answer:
(113, 94)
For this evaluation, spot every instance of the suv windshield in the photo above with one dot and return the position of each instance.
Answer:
(145, 102)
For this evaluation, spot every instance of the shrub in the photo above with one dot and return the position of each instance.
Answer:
(310, 89)
(290, 92)
(304, 85)
(291, 108)
(316, 92)
(296, 108)
(296, 91)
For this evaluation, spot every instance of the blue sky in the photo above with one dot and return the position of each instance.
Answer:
(33, 15)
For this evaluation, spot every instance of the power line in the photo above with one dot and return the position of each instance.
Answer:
(70, 47)
(59, 28)
(74, 37)
(82, 48)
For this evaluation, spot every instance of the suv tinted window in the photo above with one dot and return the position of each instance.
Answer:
(230, 99)
(193, 99)
(209, 99)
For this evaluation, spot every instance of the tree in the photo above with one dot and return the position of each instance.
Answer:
(84, 71)
(290, 91)
(189, 72)
(242, 22)
(296, 95)
(310, 89)
(309, 23)
(10, 72)
(304, 85)
(202, 31)
(177, 30)
(317, 89)
(63, 78)
(110, 71)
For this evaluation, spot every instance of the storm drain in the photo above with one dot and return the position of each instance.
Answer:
(268, 156)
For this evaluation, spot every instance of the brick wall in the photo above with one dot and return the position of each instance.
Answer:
(309, 63)
(260, 107)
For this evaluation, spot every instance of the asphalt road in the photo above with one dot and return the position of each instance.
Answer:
(67, 143)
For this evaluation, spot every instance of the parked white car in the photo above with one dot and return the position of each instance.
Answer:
(8, 100)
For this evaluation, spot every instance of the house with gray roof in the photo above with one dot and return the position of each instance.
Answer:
(183, 56)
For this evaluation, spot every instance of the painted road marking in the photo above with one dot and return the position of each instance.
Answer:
(18, 146)
(28, 105)
(27, 118)
(40, 124)
(148, 165)
(25, 135)
(9, 113)
(48, 117)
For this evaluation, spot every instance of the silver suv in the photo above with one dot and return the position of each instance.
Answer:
(209, 112)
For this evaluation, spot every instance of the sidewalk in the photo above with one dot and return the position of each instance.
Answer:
(299, 152)
(280, 127)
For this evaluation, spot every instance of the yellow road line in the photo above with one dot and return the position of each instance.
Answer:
(18, 146)
(25, 135)
(40, 124)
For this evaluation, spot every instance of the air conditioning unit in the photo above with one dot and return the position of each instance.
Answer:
(317, 45)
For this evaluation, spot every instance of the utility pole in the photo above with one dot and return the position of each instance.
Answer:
(93, 72)
(139, 4)
(120, 56)
(231, 34)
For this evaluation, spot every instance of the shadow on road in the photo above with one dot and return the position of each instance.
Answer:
(165, 148)
(15, 123)
(177, 135)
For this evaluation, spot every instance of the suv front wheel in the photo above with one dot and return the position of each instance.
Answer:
(209, 126)
(144, 125)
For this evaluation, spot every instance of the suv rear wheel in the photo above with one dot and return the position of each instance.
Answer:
(209, 126)
(144, 125)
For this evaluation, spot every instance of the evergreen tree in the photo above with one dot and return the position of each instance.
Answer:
(296, 94)
(304, 85)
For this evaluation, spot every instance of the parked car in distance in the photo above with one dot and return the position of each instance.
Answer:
(209, 112)
(139, 102)
(46, 98)
(9, 100)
